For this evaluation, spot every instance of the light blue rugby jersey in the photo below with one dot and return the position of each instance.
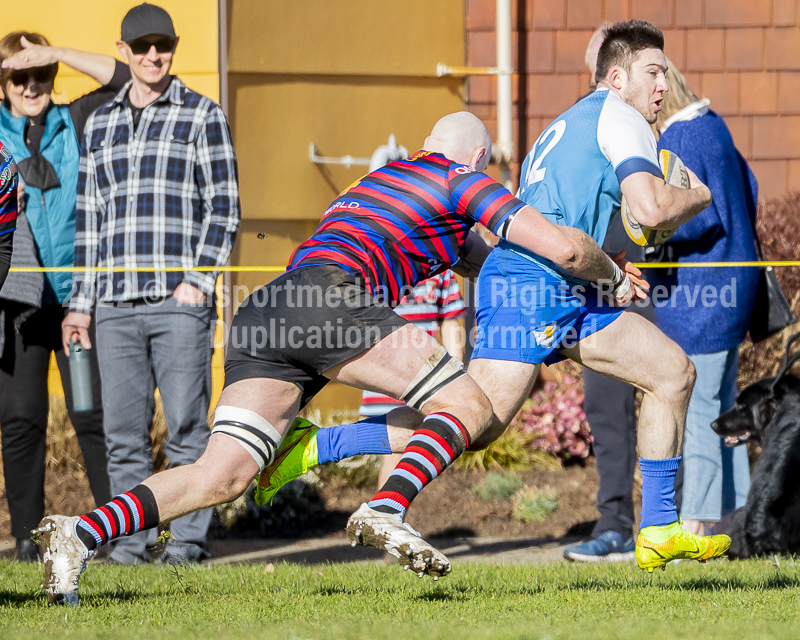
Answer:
(573, 171)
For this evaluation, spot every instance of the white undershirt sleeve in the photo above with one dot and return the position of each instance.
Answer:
(626, 139)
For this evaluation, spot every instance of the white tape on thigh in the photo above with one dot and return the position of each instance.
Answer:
(254, 433)
(440, 370)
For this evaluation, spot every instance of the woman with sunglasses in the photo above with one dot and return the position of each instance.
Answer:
(44, 139)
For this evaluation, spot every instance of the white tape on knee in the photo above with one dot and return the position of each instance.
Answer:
(254, 433)
(440, 370)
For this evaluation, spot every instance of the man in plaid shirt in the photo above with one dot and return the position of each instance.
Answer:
(157, 190)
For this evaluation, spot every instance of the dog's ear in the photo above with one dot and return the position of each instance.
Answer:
(766, 410)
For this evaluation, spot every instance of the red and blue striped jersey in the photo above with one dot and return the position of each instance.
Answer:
(8, 192)
(406, 222)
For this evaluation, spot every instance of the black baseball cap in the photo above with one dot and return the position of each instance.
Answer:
(145, 20)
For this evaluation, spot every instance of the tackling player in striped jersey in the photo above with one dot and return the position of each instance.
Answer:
(531, 312)
(328, 318)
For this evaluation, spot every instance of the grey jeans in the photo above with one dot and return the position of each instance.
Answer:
(140, 347)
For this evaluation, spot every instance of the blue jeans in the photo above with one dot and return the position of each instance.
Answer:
(716, 477)
(141, 347)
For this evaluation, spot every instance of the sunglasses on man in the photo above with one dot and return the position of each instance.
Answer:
(41, 75)
(141, 46)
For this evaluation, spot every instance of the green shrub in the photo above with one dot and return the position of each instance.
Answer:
(532, 504)
(359, 472)
(514, 450)
(498, 486)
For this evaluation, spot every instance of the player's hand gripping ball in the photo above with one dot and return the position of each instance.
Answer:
(675, 174)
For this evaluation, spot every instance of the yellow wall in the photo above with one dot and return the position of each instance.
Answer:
(342, 74)
(93, 25)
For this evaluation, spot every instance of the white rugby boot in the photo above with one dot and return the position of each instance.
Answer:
(64, 557)
(387, 531)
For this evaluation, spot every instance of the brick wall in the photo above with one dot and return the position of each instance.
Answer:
(744, 55)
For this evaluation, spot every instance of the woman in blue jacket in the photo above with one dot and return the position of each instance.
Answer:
(707, 310)
(44, 139)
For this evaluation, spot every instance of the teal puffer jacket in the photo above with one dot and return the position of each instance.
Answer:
(51, 214)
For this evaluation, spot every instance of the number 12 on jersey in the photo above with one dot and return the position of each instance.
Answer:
(550, 137)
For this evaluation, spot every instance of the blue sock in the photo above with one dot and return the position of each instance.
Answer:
(359, 438)
(658, 491)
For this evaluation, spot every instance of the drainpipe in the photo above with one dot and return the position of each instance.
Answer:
(503, 148)
(505, 141)
(222, 65)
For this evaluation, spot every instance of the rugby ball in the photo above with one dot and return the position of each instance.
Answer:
(675, 174)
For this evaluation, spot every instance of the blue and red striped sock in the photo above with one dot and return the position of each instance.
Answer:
(128, 513)
(434, 446)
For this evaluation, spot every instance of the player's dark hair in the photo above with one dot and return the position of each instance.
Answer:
(622, 42)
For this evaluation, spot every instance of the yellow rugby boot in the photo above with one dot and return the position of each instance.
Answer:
(296, 454)
(656, 546)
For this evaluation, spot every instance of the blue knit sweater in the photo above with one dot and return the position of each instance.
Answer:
(708, 309)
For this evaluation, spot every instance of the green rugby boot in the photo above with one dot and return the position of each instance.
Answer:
(296, 454)
(658, 545)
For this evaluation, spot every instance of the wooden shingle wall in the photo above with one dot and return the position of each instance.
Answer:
(744, 55)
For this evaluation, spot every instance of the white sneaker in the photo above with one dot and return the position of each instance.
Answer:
(64, 557)
(387, 531)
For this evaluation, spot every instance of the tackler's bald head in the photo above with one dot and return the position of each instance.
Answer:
(463, 138)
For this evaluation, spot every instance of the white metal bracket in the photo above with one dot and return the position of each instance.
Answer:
(347, 161)
(381, 156)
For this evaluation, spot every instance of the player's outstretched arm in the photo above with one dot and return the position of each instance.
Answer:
(658, 205)
(572, 251)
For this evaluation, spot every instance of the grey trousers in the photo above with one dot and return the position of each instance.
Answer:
(140, 347)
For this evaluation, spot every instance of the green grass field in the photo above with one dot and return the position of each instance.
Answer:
(754, 599)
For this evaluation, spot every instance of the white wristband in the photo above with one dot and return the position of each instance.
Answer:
(618, 276)
(622, 289)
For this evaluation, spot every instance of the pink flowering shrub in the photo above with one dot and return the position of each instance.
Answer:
(555, 415)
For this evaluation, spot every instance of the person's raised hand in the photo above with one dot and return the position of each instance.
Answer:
(32, 55)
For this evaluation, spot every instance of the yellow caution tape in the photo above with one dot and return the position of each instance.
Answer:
(143, 269)
(754, 263)
(273, 269)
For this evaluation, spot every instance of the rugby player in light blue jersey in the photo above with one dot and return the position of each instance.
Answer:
(532, 311)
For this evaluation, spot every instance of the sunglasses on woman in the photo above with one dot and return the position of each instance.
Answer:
(140, 47)
(21, 77)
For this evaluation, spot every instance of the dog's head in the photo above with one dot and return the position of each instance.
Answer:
(750, 415)
(754, 409)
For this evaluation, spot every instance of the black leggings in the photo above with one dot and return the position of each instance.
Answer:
(24, 407)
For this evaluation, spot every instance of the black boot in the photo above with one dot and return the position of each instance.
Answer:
(27, 550)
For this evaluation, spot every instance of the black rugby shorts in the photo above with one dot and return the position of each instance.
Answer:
(303, 323)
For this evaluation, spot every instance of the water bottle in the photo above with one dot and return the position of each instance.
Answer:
(80, 370)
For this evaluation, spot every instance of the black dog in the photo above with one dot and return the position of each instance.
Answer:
(768, 411)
